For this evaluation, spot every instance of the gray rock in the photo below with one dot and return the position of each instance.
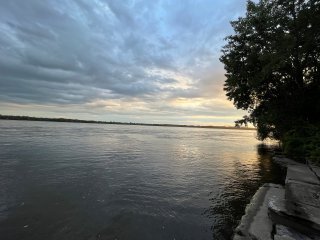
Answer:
(301, 173)
(286, 233)
(283, 161)
(256, 224)
(295, 210)
(316, 170)
(303, 218)
(238, 237)
(303, 193)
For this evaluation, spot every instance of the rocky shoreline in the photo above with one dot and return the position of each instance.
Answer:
(289, 212)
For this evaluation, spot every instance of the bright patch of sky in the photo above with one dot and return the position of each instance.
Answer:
(131, 61)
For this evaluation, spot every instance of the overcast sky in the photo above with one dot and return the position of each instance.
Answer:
(134, 61)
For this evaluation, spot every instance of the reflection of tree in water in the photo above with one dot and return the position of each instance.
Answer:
(229, 204)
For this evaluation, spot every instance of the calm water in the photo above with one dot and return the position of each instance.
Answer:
(89, 181)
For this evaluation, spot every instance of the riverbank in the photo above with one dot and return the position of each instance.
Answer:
(286, 212)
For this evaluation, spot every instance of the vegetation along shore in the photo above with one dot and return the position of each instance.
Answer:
(272, 65)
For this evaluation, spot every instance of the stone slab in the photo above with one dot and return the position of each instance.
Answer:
(303, 218)
(303, 193)
(238, 237)
(256, 224)
(316, 170)
(283, 161)
(301, 173)
(286, 233)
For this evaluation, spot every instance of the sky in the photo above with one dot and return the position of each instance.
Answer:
(147, 61)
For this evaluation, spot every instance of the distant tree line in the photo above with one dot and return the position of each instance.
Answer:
(272, 64)
(27, 118)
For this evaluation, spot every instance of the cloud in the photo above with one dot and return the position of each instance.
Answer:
(86, 53)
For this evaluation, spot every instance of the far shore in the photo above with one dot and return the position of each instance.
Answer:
(27, 118)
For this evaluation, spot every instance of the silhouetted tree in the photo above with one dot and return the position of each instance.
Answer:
(272, 65)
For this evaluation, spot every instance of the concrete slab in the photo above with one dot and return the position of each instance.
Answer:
(238, 237)
(283, 161)
(316, 170)
(301, 173)
(256, 224)
(286, 233)
(303, 193)
(294, 209)
(303, 218)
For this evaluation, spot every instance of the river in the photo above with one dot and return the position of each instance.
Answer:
(93, 181)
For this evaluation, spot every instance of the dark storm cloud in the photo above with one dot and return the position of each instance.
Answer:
(78, 51)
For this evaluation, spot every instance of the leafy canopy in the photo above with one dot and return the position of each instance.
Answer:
(272, 64)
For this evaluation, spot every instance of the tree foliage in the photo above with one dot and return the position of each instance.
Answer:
(272, 64)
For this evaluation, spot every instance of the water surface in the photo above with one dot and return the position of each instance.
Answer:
(92, 181)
